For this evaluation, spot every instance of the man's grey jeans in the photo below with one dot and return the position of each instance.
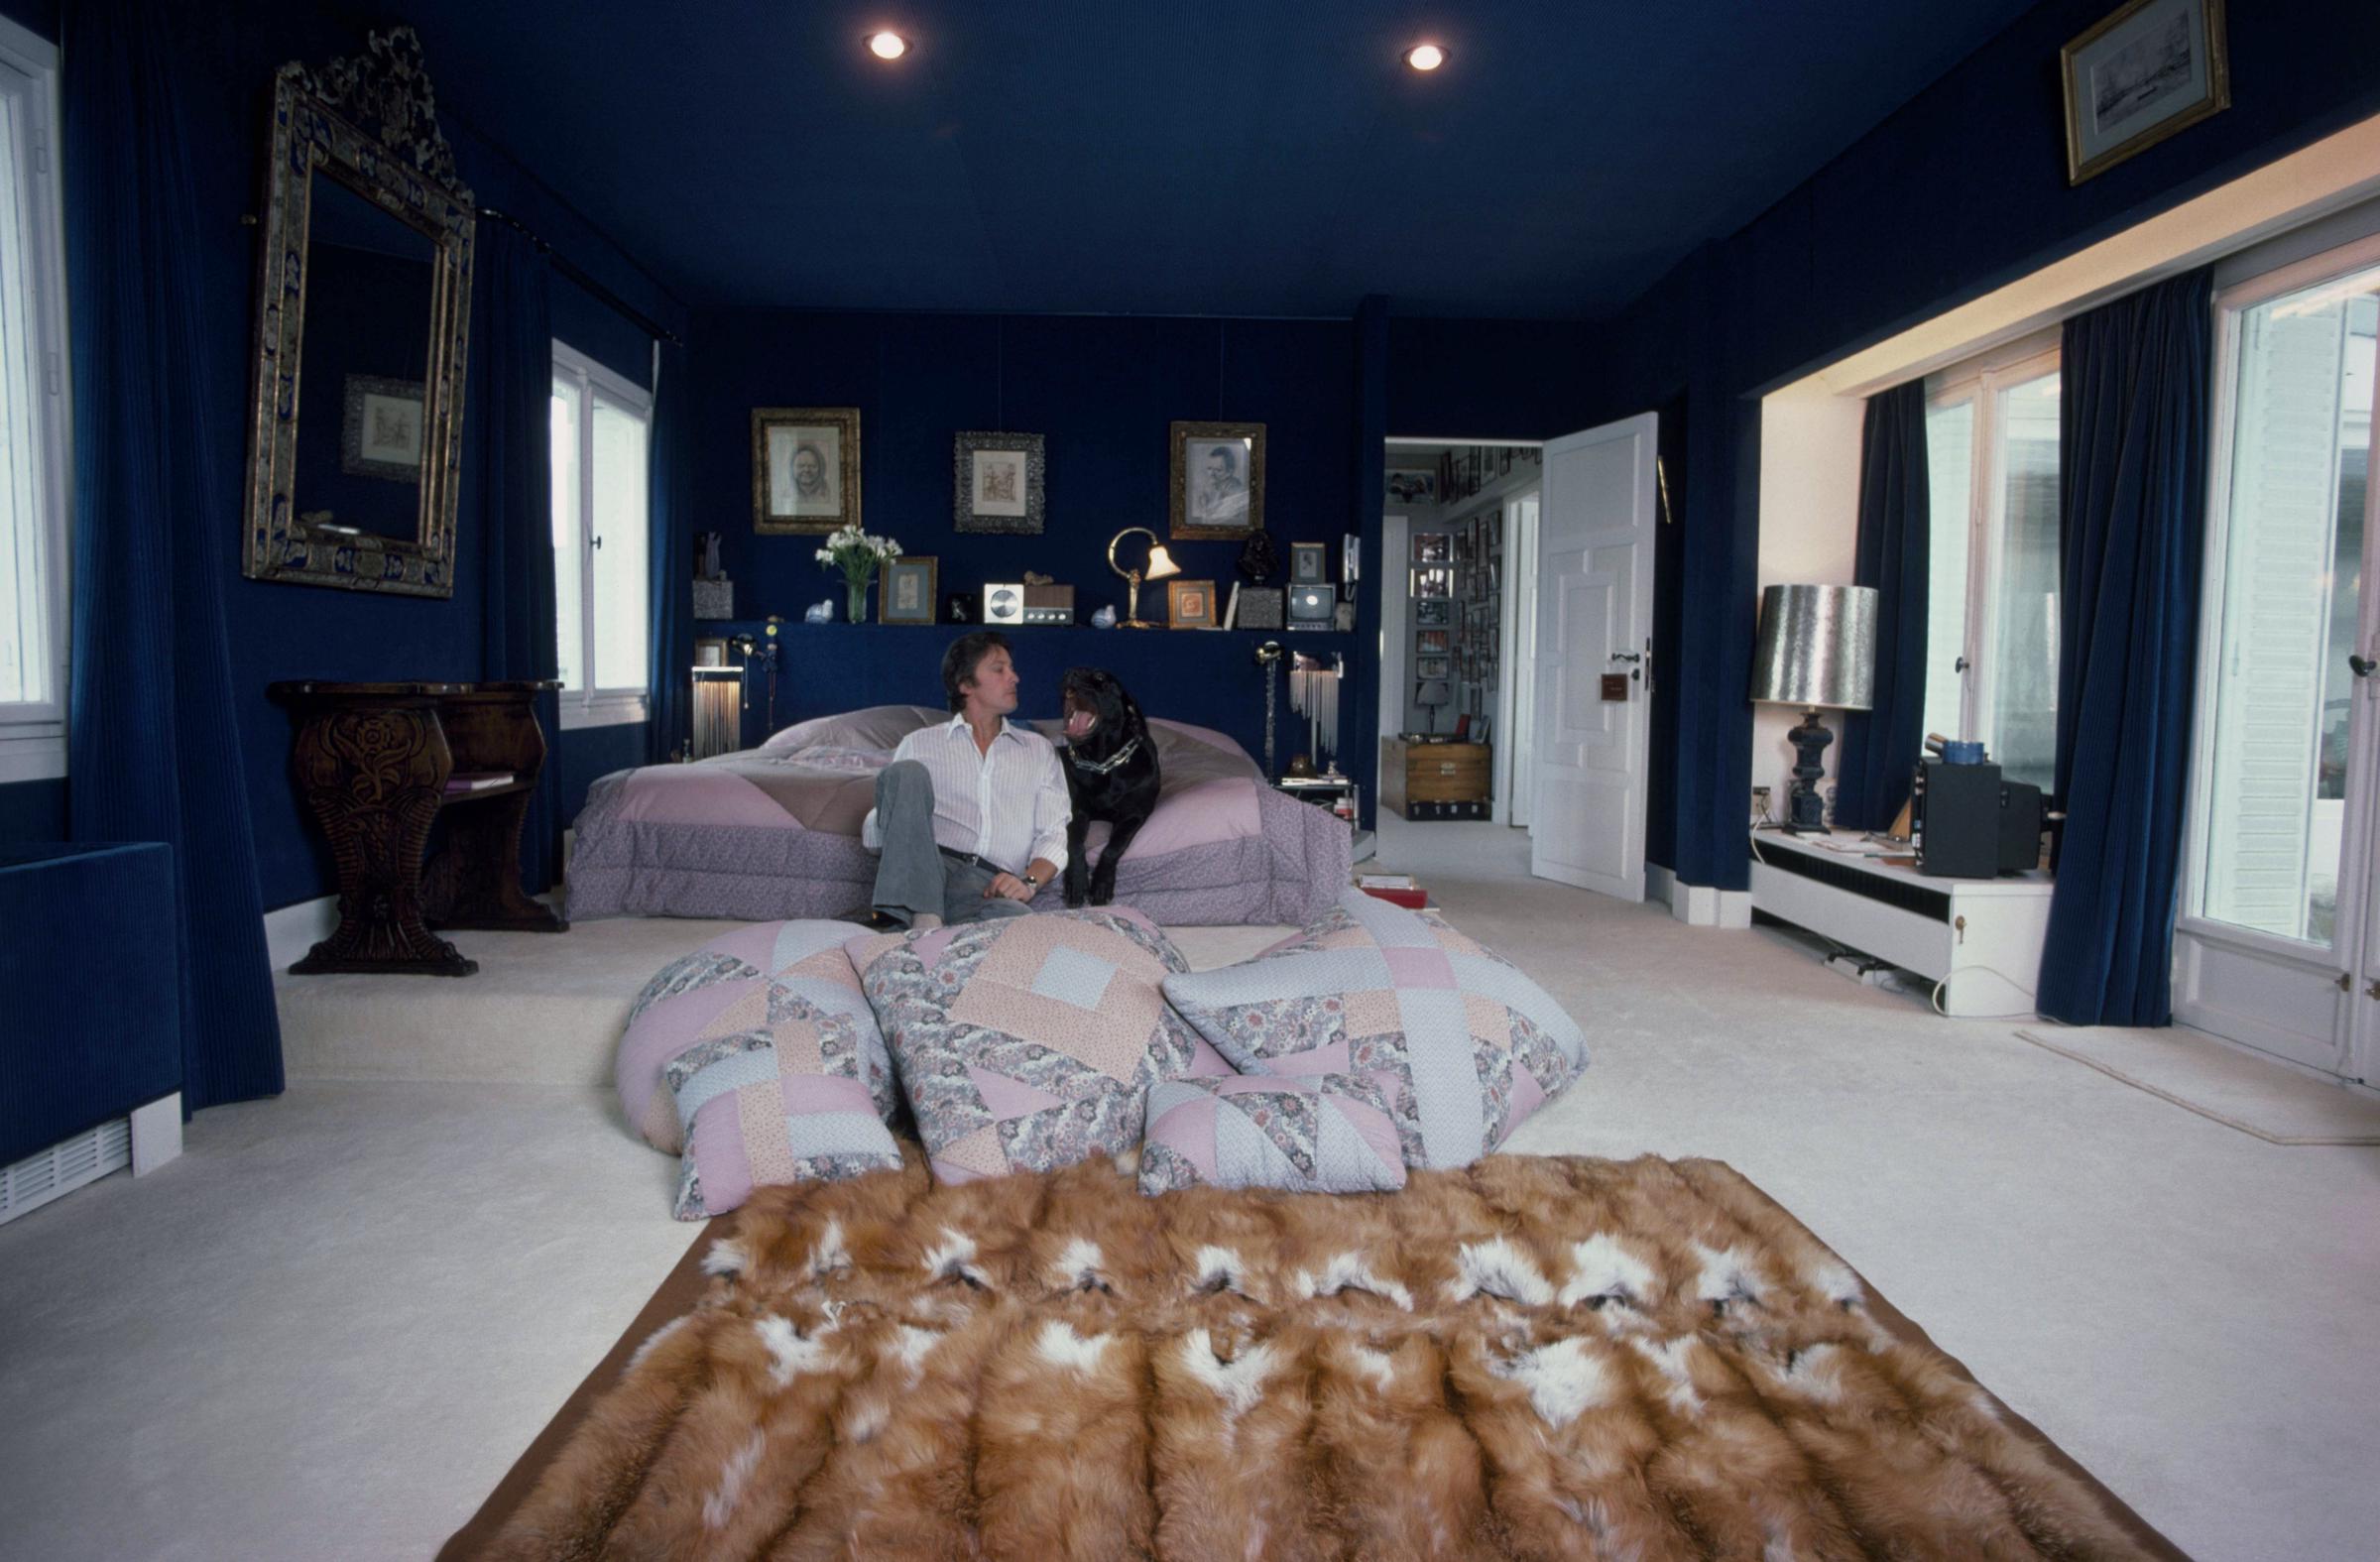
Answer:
(914, 876)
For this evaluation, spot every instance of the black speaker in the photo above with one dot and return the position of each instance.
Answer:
(1958, 819)
(2020, 827)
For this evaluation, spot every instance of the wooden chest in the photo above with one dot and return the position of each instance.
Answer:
(1414, 772)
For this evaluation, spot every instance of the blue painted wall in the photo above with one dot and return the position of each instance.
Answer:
(1961, 190)
(1102, 392)
(293, 632)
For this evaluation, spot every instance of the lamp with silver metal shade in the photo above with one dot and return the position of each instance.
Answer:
(1817, 649)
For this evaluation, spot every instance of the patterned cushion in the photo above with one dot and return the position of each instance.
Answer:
(1469, 1045)
(735, 985)
(1029, 1043)
(783, 1102)
(1333, 1133)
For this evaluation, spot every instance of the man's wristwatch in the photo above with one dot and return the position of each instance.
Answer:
(1031, 883)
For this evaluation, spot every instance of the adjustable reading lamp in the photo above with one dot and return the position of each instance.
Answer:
(1159, 566)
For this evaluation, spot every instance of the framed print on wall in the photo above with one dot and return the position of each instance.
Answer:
(1411, 485)
(2151, 69)
(999, 482)
(805, 468)
(1309, 564)
(1437, 611)
(1218, 487)
(907, 594)
(1190, 604)
(379, 434)
(1430, 547)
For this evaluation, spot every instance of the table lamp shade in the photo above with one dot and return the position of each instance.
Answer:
(1817, 647)
(1160, 564)
(1434, 693)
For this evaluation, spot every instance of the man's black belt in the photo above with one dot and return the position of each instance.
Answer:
(973, 861)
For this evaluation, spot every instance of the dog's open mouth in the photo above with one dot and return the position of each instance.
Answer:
(1079, 718)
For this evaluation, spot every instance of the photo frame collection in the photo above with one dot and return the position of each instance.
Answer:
(1455, 584)
(1463, 473)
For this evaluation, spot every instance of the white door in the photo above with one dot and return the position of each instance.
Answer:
(1516, 753)
(1595, 617)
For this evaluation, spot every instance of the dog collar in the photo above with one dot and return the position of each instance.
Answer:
(1102, 766)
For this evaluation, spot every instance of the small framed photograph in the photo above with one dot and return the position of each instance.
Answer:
(381, 435)
(1430, 667)
(908, 592)
(999, 482)
(1434, 611)
(1432, 642)
(1309, 564)
(2151, 69)
(1218, 490)
(710, 653)
(1431, 547)
(805, 468)
(1434, 582)
(1190, 604)
(1413, 485)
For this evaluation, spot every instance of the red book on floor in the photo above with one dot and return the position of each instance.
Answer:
(1412, 899)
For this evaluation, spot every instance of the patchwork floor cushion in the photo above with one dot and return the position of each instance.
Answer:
(783, 1102)
(1030, 1043)
(1463, 1046)
(1332, 1133)
(738, 985)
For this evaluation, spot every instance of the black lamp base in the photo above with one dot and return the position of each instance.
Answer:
(1805, 811)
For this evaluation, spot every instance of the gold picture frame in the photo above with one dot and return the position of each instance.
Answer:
(2157, 66)
(1217, 488)
(909, 591)
(1190, 604)
(805, 469)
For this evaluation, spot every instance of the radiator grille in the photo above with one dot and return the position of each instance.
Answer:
(65, 1166)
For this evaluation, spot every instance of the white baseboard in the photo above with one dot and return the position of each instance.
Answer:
(156, 1133)
(1698, 904)
(294, 930)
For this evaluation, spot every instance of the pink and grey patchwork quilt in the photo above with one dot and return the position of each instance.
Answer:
(773, 832)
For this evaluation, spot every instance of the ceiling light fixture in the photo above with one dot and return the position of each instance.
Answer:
(1425, 56)
(887, 45)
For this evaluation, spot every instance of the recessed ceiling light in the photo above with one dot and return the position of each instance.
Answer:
(887, 45)
(1425, 56)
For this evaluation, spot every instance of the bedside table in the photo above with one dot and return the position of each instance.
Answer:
(1335, 792)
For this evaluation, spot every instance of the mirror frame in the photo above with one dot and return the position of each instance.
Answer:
(403, 165)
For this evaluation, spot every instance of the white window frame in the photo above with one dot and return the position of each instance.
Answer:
(32, 732)
(600, 707)
(1981, 380)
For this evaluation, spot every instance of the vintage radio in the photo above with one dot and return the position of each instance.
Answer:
(1050, 604)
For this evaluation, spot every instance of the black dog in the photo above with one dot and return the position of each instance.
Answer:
(1111, 773)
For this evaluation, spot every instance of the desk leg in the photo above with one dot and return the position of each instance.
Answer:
(374, 779)
(475, 881)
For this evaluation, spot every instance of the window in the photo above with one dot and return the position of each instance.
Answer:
(2292, 512)
(1991, 614)
(34, 464)
(602, 587)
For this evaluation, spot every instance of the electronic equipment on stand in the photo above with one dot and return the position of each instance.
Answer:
(1970, 822)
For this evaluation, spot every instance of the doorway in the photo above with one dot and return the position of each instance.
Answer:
(2278, 940)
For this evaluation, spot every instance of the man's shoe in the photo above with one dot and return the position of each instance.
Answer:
(874, 920)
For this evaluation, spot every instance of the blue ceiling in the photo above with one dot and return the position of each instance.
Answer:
(1228, 156)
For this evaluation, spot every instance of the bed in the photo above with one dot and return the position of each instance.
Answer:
(773, 832)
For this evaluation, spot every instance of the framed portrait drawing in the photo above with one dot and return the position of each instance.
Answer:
(805, 468)
(1309, 564)
(2150, 70)
(999, 482)
(906, 594)
(1218, 491)
(1190, 604)
(1411, 485)
(381, 433)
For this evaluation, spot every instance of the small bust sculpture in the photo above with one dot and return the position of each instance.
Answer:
(1259, 559)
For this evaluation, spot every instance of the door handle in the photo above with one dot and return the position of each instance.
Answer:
(2361, 667)
(1627, 655)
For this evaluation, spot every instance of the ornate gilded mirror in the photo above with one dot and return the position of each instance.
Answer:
(363, 314)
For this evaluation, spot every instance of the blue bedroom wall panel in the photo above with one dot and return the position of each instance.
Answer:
(117, 1044)
(1961, 190)
(34, 810)
(301, 631)
(591, 752)
(1102, 392)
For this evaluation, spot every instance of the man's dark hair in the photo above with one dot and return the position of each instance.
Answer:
(965, 655)
(1230, 458)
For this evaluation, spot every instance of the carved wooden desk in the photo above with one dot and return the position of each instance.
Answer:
(373, 760)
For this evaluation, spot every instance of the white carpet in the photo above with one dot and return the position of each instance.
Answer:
(2200, 1074)
(328, 1330)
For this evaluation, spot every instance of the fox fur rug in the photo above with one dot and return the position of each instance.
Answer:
(1528, 1358)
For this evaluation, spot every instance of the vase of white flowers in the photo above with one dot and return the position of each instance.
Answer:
(859, 556)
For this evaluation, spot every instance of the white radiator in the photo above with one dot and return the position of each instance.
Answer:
(65, 1166)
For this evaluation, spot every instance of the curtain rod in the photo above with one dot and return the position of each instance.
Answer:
(570, 269)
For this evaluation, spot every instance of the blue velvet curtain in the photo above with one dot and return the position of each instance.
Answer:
(1880, 744)
(153, 746)
(511, 349)
(2132, 462)
(671, 558)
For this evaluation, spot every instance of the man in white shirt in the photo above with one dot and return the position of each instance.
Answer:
(971, 814)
